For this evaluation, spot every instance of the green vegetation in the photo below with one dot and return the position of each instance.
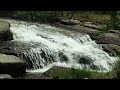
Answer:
(113, 23)
(80, 74)
(79, 15)
(68, 73)
(116, 69)
(44, 15)
(109, 18)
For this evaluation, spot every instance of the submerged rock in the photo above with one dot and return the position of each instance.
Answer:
(84, 60)
(12, 65)
(63, 58)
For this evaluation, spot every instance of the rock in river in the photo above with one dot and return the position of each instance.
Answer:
(108, 38)
(5, 33)
(12, 65)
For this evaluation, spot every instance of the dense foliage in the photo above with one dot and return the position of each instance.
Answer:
(45, 16)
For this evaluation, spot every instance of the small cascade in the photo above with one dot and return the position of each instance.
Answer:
(44, 46)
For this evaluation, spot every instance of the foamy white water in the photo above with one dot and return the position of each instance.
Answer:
(51, 46)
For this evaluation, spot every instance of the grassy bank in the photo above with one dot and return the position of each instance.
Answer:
(80, 74)
(71, 73)
(83, 74)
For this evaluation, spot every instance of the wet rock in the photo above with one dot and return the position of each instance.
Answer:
(94, 67)
(85, 61)
(12, 65)
(8, 48)
(5, 33)
(63, 57)
(108, 38)
(111, 49)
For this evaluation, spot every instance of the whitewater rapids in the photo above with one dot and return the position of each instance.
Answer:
(44, 46)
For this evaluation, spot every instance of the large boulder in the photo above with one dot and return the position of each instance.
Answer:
(5, 33)
(70, 22)
(108, 38)
(12, 47)
(8, 48)
(12, 65)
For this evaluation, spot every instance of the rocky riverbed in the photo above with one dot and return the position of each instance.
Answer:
(16, 68)
(9, 63)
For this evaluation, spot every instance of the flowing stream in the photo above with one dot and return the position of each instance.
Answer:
(44, 46)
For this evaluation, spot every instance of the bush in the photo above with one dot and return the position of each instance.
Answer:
(110, 26)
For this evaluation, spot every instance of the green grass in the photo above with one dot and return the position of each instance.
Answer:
(80, 74)
(116, 69)
(71, 73)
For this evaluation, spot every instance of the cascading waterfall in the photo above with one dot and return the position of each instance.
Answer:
(44, 46)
